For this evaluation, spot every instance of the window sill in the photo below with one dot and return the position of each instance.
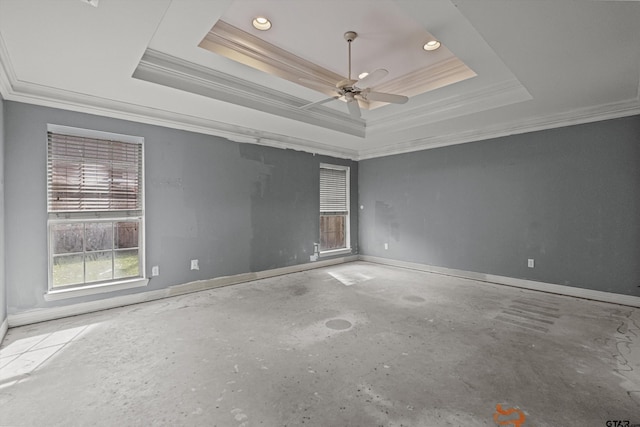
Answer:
(334, 252)
(55, 295)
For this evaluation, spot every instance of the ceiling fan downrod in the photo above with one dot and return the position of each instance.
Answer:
(350, 36)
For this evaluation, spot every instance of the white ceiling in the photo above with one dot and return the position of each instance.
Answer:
(539, 64)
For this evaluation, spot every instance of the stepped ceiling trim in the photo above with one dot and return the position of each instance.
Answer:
(173, 72)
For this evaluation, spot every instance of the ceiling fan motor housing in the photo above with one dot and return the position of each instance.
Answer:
(346, 84)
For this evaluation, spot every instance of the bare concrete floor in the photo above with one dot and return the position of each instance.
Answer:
(352, 345)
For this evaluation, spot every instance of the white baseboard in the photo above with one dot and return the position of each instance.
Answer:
(44, 314)
(571, 291)
(4, 328)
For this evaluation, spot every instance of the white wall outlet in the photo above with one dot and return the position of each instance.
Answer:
(155, 270)
(386, 246)
(194, 264)
(530, 263)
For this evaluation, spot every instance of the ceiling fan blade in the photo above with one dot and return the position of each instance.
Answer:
(317, 85)
(354, 108)
(385, 97)
(372, 78)
(323, 101)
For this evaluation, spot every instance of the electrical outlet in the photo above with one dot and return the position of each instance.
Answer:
(386, 246)
(194, 264)
(155, 270)
(530, 263)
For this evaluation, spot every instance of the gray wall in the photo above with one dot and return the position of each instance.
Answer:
(3, 288)
(568, 197)
(235, 207)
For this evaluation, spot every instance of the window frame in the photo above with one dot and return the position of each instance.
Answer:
(91, 288)
(347, 226)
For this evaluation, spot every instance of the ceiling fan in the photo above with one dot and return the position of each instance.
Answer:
(352, 90)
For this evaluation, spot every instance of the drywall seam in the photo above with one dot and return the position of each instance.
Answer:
(628, 300)
(45, 314)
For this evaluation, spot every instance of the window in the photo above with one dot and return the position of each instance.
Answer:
(95, 208)
(334, 208)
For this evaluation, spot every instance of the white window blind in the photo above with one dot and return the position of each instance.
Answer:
(89, 174)
(333, 190)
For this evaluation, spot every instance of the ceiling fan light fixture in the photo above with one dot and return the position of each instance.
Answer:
(353, 91)
(261, 23)
(431, 45)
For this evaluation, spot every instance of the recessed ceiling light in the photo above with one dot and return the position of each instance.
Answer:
(363, 75)
(431, 45)
(261, 23)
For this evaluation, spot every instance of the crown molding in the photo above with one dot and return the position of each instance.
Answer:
(50, 97)
(551, 121)
(7, 74)
(12, 89)
(167, 70)
(493, 96)
(30, 93)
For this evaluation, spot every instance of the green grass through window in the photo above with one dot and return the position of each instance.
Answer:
(70, 269)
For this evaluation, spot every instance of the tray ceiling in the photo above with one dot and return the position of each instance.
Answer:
(505, 67)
